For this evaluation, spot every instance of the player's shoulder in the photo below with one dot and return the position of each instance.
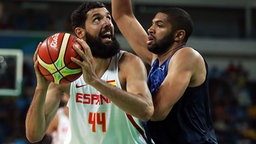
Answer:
(187, 53)
(186, 57)
(187, 50)
(129, 57)
(130, 60)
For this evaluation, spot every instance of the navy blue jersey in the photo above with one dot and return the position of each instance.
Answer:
(189, 121)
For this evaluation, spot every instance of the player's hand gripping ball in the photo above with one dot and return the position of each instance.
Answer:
(54, 57)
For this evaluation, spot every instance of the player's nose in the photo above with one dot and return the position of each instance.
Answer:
(107, 22)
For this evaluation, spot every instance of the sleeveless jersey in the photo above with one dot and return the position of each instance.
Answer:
(61, 135)
(96, 120)
(189, 121)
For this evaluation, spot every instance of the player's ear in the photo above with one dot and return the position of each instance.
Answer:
(180, 34)
(80, 32)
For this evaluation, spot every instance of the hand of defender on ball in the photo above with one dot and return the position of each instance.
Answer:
(87, 65)
(41, 81)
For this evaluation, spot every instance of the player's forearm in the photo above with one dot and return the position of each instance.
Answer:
(121, 8)
(35, 119)
(138, 105)
(130, 27)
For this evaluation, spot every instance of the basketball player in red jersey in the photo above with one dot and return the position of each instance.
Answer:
(108, 102)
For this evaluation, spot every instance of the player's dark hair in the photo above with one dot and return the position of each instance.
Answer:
(79, 15)
(179, 19)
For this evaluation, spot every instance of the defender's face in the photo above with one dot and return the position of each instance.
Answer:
(99, 24)
(159, 29)
(160, 36)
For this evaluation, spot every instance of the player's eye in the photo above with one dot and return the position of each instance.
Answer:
(97, 19)
(109, 17)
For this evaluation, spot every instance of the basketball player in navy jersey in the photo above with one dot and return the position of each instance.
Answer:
(178, 76)
(108, 102)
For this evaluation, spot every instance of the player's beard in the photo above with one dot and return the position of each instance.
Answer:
(101, 50)
(162, 45)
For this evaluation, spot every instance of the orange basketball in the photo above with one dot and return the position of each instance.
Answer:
(54, 57)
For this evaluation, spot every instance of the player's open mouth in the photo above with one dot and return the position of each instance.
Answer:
(150, 40)
(106, 37)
